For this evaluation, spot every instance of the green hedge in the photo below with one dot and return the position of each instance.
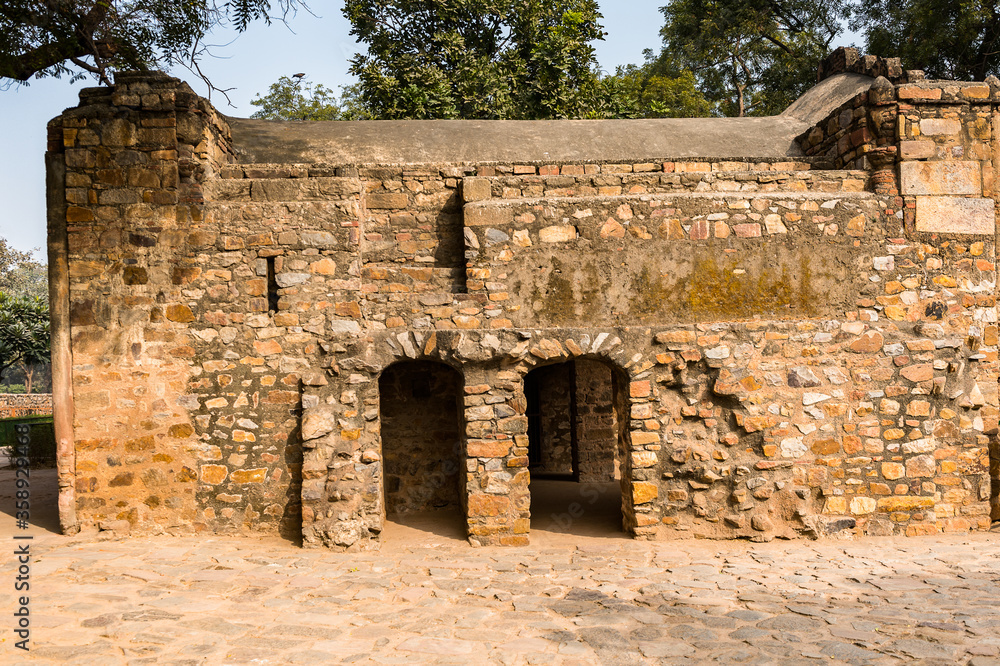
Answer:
(42, 449)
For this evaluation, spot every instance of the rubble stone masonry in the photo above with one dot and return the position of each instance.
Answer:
(764, 345)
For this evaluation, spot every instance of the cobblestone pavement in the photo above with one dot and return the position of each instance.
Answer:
(428, 598)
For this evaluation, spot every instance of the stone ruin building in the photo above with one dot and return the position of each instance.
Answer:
(759, 327)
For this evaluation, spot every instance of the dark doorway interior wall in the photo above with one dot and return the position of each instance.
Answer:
(421, 410)
(551, 415)
(574, 428)
(600, 421)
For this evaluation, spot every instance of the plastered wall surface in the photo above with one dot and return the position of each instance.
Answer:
(796, 343)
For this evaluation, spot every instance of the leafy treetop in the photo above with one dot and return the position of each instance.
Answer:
(20, 275)
(57, 37)
(478, 59)
(293, 98)
(949, 39)
(24, 331)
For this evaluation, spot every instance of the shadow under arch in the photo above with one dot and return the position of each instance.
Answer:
(421, 409)
(578, 445)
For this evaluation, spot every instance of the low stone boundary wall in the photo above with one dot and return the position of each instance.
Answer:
(22, 404)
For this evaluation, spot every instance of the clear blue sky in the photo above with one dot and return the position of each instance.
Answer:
(249, 63)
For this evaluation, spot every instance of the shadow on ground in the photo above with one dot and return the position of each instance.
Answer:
(43, 497)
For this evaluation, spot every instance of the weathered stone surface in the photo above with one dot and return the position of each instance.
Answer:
(557, 234)
(871, 341)
(953, 215)
(317, 422)
(943, 177)
(476, 189)
(644, 492)
(940, 126)
(921, 466)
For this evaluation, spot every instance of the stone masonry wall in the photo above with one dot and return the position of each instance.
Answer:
(23, 404)
(600, 443)
(773, 348)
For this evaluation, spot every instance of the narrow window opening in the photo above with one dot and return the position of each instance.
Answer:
(272, 287)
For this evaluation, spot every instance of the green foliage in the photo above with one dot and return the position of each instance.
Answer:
(52, 38)
(647, 91)
(949, 39)
(21, 275)
(42, 440)
(24, 331)
(488, 59)
(294, 99)
(750, 57)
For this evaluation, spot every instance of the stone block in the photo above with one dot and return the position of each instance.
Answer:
(258, 475)
(482, 505)
(213, 474)
(476, 189)
(955, 215)
(862, 506)
(643, 492)
(644, 438)
(920, 149)
(557, 233)
(906, 503)
(944, 177)
(488, 448)
(488, 216)
(387, 200)
(918, 92)
(940, 126)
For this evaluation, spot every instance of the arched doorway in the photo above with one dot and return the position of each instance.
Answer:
(577, 420)
(421, 405)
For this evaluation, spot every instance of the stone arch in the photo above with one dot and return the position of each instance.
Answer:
(343, 500)
(638, 438)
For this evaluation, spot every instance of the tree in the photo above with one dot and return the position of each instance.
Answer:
(949, 39)
(750, 57)
(20, 275)
(24, 331)
(647, 91)
(500, 59)
(56, 37)
(292, 98)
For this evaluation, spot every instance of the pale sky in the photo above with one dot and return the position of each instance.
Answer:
(319, 46)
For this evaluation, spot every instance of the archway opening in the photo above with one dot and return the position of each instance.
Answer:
(421, 408)
(577, 419)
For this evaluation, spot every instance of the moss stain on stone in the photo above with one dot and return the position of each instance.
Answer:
(569, 293)
(715, 289)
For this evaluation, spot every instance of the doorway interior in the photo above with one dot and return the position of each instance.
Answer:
(421, 407)
(577, 418)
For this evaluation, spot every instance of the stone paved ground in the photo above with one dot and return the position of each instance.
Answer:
(563, 600)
